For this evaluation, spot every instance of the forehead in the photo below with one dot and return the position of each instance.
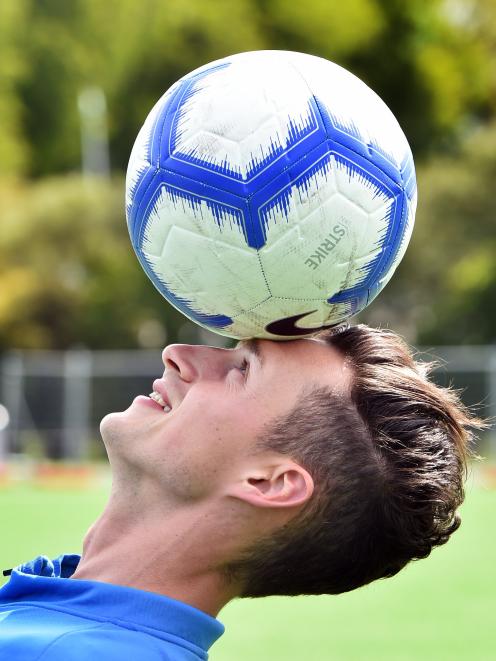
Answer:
(303, 361)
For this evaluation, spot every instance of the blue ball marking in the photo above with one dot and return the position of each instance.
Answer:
(372, 161)
(223, 176)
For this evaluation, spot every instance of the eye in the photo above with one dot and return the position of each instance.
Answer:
(245, 367)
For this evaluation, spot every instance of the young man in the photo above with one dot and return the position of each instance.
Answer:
(303, 467)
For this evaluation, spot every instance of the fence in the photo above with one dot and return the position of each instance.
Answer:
(53, 401)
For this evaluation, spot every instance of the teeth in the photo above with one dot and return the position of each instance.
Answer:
(157, 397)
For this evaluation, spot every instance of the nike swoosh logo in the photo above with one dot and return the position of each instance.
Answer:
(287, 327)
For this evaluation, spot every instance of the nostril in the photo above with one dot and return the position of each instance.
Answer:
(170, 363)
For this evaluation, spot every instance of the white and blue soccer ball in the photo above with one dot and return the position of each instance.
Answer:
(270, 194)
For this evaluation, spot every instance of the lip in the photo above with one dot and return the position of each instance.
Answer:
(159, 386)
(146, 401)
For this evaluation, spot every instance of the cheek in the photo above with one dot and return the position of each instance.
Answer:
(191, 463)
(214, 408)
(209, 440)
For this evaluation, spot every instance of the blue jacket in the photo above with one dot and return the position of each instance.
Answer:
(46, 616)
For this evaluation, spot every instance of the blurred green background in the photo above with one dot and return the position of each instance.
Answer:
(78, 77)
(67, 273)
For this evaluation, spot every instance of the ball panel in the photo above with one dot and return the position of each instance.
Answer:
(170, 209)
(190, 268)
(358, 185)
(200, 256)
(194, 141)
(353, 108)
(297, 263)
(213, 105)
(313, 315)
(330, 222)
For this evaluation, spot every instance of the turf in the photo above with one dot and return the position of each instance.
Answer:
(442, 608)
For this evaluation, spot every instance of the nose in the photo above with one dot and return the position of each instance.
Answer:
(193, 361)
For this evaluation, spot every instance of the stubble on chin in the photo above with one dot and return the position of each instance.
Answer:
(117, 428)
(111, 428)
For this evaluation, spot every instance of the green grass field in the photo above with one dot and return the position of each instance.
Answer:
(442, 608)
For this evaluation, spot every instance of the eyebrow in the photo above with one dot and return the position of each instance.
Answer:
(252, 346)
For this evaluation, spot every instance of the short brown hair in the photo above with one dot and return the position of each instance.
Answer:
(388, 461)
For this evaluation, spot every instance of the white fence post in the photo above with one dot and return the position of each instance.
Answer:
(77, 402)
(12, 389)
(92, 106)
(4, 423)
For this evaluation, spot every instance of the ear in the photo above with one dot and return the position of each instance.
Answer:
(282, 485)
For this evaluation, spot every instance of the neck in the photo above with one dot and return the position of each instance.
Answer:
(169, 551)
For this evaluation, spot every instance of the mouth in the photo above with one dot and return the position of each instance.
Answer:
(157, 397)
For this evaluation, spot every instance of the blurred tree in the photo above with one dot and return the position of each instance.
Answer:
(133, 51)
(324, 28)
(429, 59)
(419, 56)
(68, 275)
(459, 206)
(14, 147)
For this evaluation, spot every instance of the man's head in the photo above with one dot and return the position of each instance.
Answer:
(222, 402)
(322, 464)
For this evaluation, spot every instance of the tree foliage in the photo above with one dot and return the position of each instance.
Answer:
(68, 275)
(14, 149)
(433, 68)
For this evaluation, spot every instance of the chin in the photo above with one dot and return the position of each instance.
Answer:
(111, 423)
(121, 423)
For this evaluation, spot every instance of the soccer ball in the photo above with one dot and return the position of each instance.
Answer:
(270, 194)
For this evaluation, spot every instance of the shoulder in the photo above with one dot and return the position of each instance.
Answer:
(106, 641)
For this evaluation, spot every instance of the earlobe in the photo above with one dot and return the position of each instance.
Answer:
(288, 485)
